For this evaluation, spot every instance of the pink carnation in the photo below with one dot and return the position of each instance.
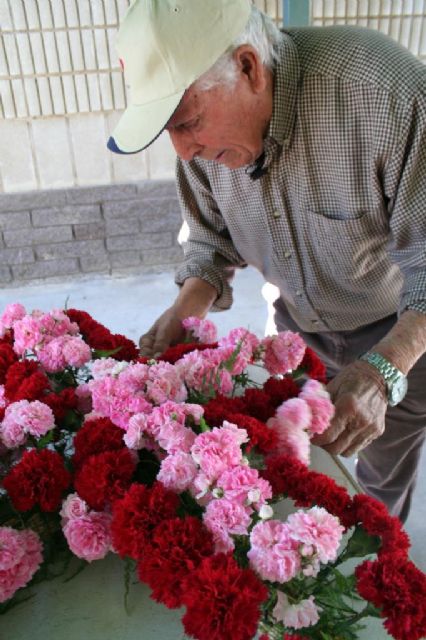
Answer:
(283, 352)
(84, 398)
(12, 434)
(219, 449)
(322, 409)
(297, 616)
(317, 529)
(134, 377)
(2, 396)
(64, 351)
(164, 383)
(174, 437)
(76, 352)
(73, 507)
(290, 423)
(243, 485)
(137, 432)
(205, 371)
(24, 417)
(225, 518)
(56, 323)
(114, 399)
(177, 471)
(89, 537)
(51, 355)
(107, 366)
(240, 345)
(203, 330)
(34, 332)
(274, 554)
(20, 557)
(28, 335)
(10, 315)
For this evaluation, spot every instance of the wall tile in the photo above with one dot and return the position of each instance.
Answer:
(16, 162)
(53, 152)
(88, 139)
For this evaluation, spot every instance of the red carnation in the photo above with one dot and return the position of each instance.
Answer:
(175, 353)
(219, 409)
(313, 366)
(398, 588)
(280, 390)
(258, 404)
(176, 548)
(40, 477)
(283, 472)
(287, 637)
(261, 436)
(128, 351)
(100, 338)
(25, 381)
(137, 514)
(290, 477)
(97, 435)
(377, 521)
(7, 358)
(105, 477)
(62, 402)
(222, 600)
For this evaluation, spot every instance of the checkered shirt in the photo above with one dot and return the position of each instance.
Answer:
(338, 221)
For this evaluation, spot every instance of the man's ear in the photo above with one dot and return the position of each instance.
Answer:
(251, 67)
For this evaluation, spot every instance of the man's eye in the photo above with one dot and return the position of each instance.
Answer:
(191, 124)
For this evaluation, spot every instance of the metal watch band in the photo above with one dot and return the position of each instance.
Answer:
(388, 371)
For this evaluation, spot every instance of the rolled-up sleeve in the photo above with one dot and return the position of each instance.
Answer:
(209, 253)
(405, 188)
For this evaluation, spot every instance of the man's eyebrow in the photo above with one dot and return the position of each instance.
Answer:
(181, 122)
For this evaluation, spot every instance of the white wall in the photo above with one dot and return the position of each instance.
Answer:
(62, 90)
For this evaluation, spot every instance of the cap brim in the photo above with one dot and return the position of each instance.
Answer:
(140, 125)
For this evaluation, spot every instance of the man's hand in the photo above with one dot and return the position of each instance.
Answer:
(195, 299)
(167, 330)
(359, 395)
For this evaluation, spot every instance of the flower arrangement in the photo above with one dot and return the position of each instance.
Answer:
(177, 465)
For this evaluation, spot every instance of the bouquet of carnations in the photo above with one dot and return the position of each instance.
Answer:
(177, 464)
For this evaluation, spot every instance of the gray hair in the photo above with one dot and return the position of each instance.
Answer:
(261, 33)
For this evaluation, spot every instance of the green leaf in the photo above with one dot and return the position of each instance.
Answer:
(361, 544)
(105, 353)
(147, 469)
(45, 440)
(204, 427)
(72, 420)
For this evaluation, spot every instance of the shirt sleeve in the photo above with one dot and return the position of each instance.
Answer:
(209, 252)
(405, 189)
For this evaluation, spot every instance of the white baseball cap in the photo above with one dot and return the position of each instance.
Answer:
(164, 46)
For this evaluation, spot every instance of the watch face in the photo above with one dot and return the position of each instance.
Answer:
(398, 391)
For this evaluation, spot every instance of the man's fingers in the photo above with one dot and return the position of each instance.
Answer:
(357, 445)
(337, 426)
(146, 343)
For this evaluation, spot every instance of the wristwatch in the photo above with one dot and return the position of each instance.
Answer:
(396, 381)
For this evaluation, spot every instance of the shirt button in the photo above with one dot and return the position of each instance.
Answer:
(315, 322)
(276, 213)
(287, 254)
(299, 293)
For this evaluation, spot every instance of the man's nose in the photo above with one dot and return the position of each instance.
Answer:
(185, 145)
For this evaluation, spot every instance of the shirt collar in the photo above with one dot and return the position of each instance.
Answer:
(286, 82)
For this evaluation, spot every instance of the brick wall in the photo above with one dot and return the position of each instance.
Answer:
(63, 233)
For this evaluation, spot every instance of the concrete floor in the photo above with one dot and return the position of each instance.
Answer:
(129, 305)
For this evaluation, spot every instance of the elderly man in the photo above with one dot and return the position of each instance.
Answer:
(302, 153)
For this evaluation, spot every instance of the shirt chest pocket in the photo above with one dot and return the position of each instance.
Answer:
(341, 245)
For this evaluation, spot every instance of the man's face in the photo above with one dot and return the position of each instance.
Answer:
(223, 125)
